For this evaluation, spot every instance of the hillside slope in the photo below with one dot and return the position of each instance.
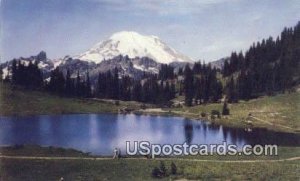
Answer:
(280, 112)
(24, 102)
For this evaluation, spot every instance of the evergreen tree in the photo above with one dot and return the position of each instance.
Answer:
(226, 71)
(88, 89)
(180, 71)
(166, 72)
(101, 85)
(14, 72)
(225, 110)
(137, 91)
(125, 88)
(57, 82)
(231, 91)
(188, 85)
(197, 68)
(268, 66)
(115, 86)
(78, 85)
(198, 90)
(69, 87)
(173, 91)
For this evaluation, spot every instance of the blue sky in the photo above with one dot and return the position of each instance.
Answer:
(201, 29)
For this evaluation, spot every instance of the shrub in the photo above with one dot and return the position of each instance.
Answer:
(225, 109)
(163, 169)
(173, 168)
(203, 114)
(156, 172)
(216, 113)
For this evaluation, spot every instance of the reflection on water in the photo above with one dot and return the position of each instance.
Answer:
(188, 132)
(100, 133)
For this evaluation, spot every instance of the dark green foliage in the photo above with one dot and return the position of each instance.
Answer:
(66, 86)
(88, 90)
(215, 113)
(149, 90)
(166, 72)
(137, 91)
(173, 169)
(197, 68)
(180, 71)
(207, 87)
(70, 87)
(225, 110)
(163, 169)
(115, 85)
(188, 85)
(232, 94)
(28, 76)
(267, 67)
(82, 88)
(15, 72)
(156, 173)
(57, 82)
(125, 88)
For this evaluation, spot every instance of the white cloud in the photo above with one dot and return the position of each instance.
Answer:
(162, 7)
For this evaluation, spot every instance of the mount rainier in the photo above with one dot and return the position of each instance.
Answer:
(130, 52)
(133, 45)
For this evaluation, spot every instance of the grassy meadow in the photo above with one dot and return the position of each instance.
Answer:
(17, 101)
(280, 113)
(196, 168)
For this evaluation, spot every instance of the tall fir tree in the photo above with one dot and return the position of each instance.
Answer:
(69, 87)
(188, 85)
(88, 88)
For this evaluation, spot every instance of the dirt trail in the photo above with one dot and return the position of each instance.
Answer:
(269, 123)
(180, 159)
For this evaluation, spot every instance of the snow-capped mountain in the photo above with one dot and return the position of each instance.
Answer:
(132, 53)
(133, 45)
(45, 64)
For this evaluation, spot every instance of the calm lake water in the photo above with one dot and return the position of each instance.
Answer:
(100, 133)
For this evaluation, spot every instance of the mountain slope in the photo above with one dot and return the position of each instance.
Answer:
(133, 45)
(131, 53)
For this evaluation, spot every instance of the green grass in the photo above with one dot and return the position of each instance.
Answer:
(17, 101)
(39, 151)
(35, 150)
(282, 110)
(140, 169)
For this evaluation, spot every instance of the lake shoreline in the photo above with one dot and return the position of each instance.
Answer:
(217, 121)
(26, 103)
